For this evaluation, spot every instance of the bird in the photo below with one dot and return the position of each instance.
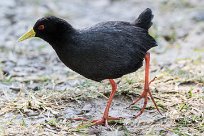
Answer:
(105, 51)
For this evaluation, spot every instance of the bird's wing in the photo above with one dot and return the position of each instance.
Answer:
(115, 48)
(115, 34)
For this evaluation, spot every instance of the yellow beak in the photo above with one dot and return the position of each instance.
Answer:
(27, 35)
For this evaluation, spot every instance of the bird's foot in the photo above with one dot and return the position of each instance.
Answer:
(144, 96)
(104, 121)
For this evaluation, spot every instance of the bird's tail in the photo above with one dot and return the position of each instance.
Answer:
(145, 19)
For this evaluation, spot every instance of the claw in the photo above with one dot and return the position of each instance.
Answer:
(152, 80)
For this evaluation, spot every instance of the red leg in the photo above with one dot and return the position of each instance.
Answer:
(146, 91)
(105, 117)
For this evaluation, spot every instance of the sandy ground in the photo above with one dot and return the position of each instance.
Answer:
(39, 95)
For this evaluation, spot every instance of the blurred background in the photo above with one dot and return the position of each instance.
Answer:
(34, 66)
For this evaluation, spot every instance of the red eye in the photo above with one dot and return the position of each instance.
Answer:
(41, 27)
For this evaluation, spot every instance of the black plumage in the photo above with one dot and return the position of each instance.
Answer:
(107, 50)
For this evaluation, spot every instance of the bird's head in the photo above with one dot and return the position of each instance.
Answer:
(48, 28)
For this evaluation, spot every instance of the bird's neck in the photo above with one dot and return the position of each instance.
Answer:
(66, 48)
(65, 52)
(64, 38)
(63, 45)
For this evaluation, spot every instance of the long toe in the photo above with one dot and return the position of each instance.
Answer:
(143, 108)
(104, 121)
(152, 98)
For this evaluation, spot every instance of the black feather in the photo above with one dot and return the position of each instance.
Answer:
(145, 19)
(107, 50)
